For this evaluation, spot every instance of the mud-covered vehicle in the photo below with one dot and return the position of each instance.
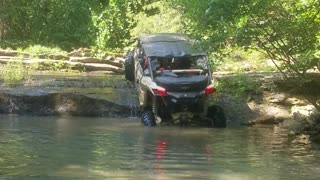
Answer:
(174, 81)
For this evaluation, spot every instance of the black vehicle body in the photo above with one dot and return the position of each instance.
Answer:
(173, 80)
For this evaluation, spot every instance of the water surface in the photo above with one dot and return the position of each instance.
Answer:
(101, 148)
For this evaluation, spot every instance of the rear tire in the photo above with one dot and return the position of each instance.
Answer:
(129, 67)
(216, 117)
(148, 119)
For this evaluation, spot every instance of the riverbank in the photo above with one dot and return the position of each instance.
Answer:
(276, 102)
(76, 95)
(80, 60)
(263, 98)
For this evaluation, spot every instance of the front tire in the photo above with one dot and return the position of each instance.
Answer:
(129, 67)
(148, 119)
(216, 117)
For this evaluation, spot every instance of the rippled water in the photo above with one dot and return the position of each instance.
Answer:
(99, 148)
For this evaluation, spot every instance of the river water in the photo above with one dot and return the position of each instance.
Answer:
(100, 148)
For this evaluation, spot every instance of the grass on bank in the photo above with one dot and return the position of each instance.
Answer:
(14, 72)
(35, 50)
(42, 50)
(240, 86)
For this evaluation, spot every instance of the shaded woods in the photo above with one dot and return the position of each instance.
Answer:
(105, 24)
(286, 31)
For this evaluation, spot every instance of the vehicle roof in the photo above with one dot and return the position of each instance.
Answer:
(162, 37)
(168, 45)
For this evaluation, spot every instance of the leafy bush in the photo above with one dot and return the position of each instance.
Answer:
(14, 72)
(240, 86)
(64, 23)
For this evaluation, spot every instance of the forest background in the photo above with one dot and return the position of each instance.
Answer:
(285, 33)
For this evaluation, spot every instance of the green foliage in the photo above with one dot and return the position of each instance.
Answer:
(157, 17)
(241, 60)
(240, 86)
(14, 72)
(47, 22)
(286, 30)
(105, 25)
(111, 24)
(42, 50)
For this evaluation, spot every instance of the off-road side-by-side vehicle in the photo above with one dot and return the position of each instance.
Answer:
(173, 80)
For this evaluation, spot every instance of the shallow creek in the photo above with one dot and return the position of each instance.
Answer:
(51, 147)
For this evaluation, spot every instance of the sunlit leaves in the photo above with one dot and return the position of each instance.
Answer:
(287, 30)
(157, 17)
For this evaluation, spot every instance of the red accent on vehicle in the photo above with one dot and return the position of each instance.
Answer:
(208, 149)
(160, 92)
(161, 69)
(210, 90)
(146, 63)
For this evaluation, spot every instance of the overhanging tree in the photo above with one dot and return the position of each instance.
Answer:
(288, 31)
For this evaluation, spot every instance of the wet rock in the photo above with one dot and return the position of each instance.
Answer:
(93, 60)
(303, 110)
(266, 120)
(235, 110)
(278, 98)
(302, 139)
(42, 56)
(278, 112)
(306, 120)
(85, 59)
(81, 52)
(109, 58)
(119, 60)
(295, 101)
(58, 57)
(102, 67)
(296, 127)
(8, 53)
(114, 63)
(100, 73)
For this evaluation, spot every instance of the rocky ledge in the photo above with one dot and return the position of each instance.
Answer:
(76, 96)
(60, 104)
(81, 59)
(277, 103)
